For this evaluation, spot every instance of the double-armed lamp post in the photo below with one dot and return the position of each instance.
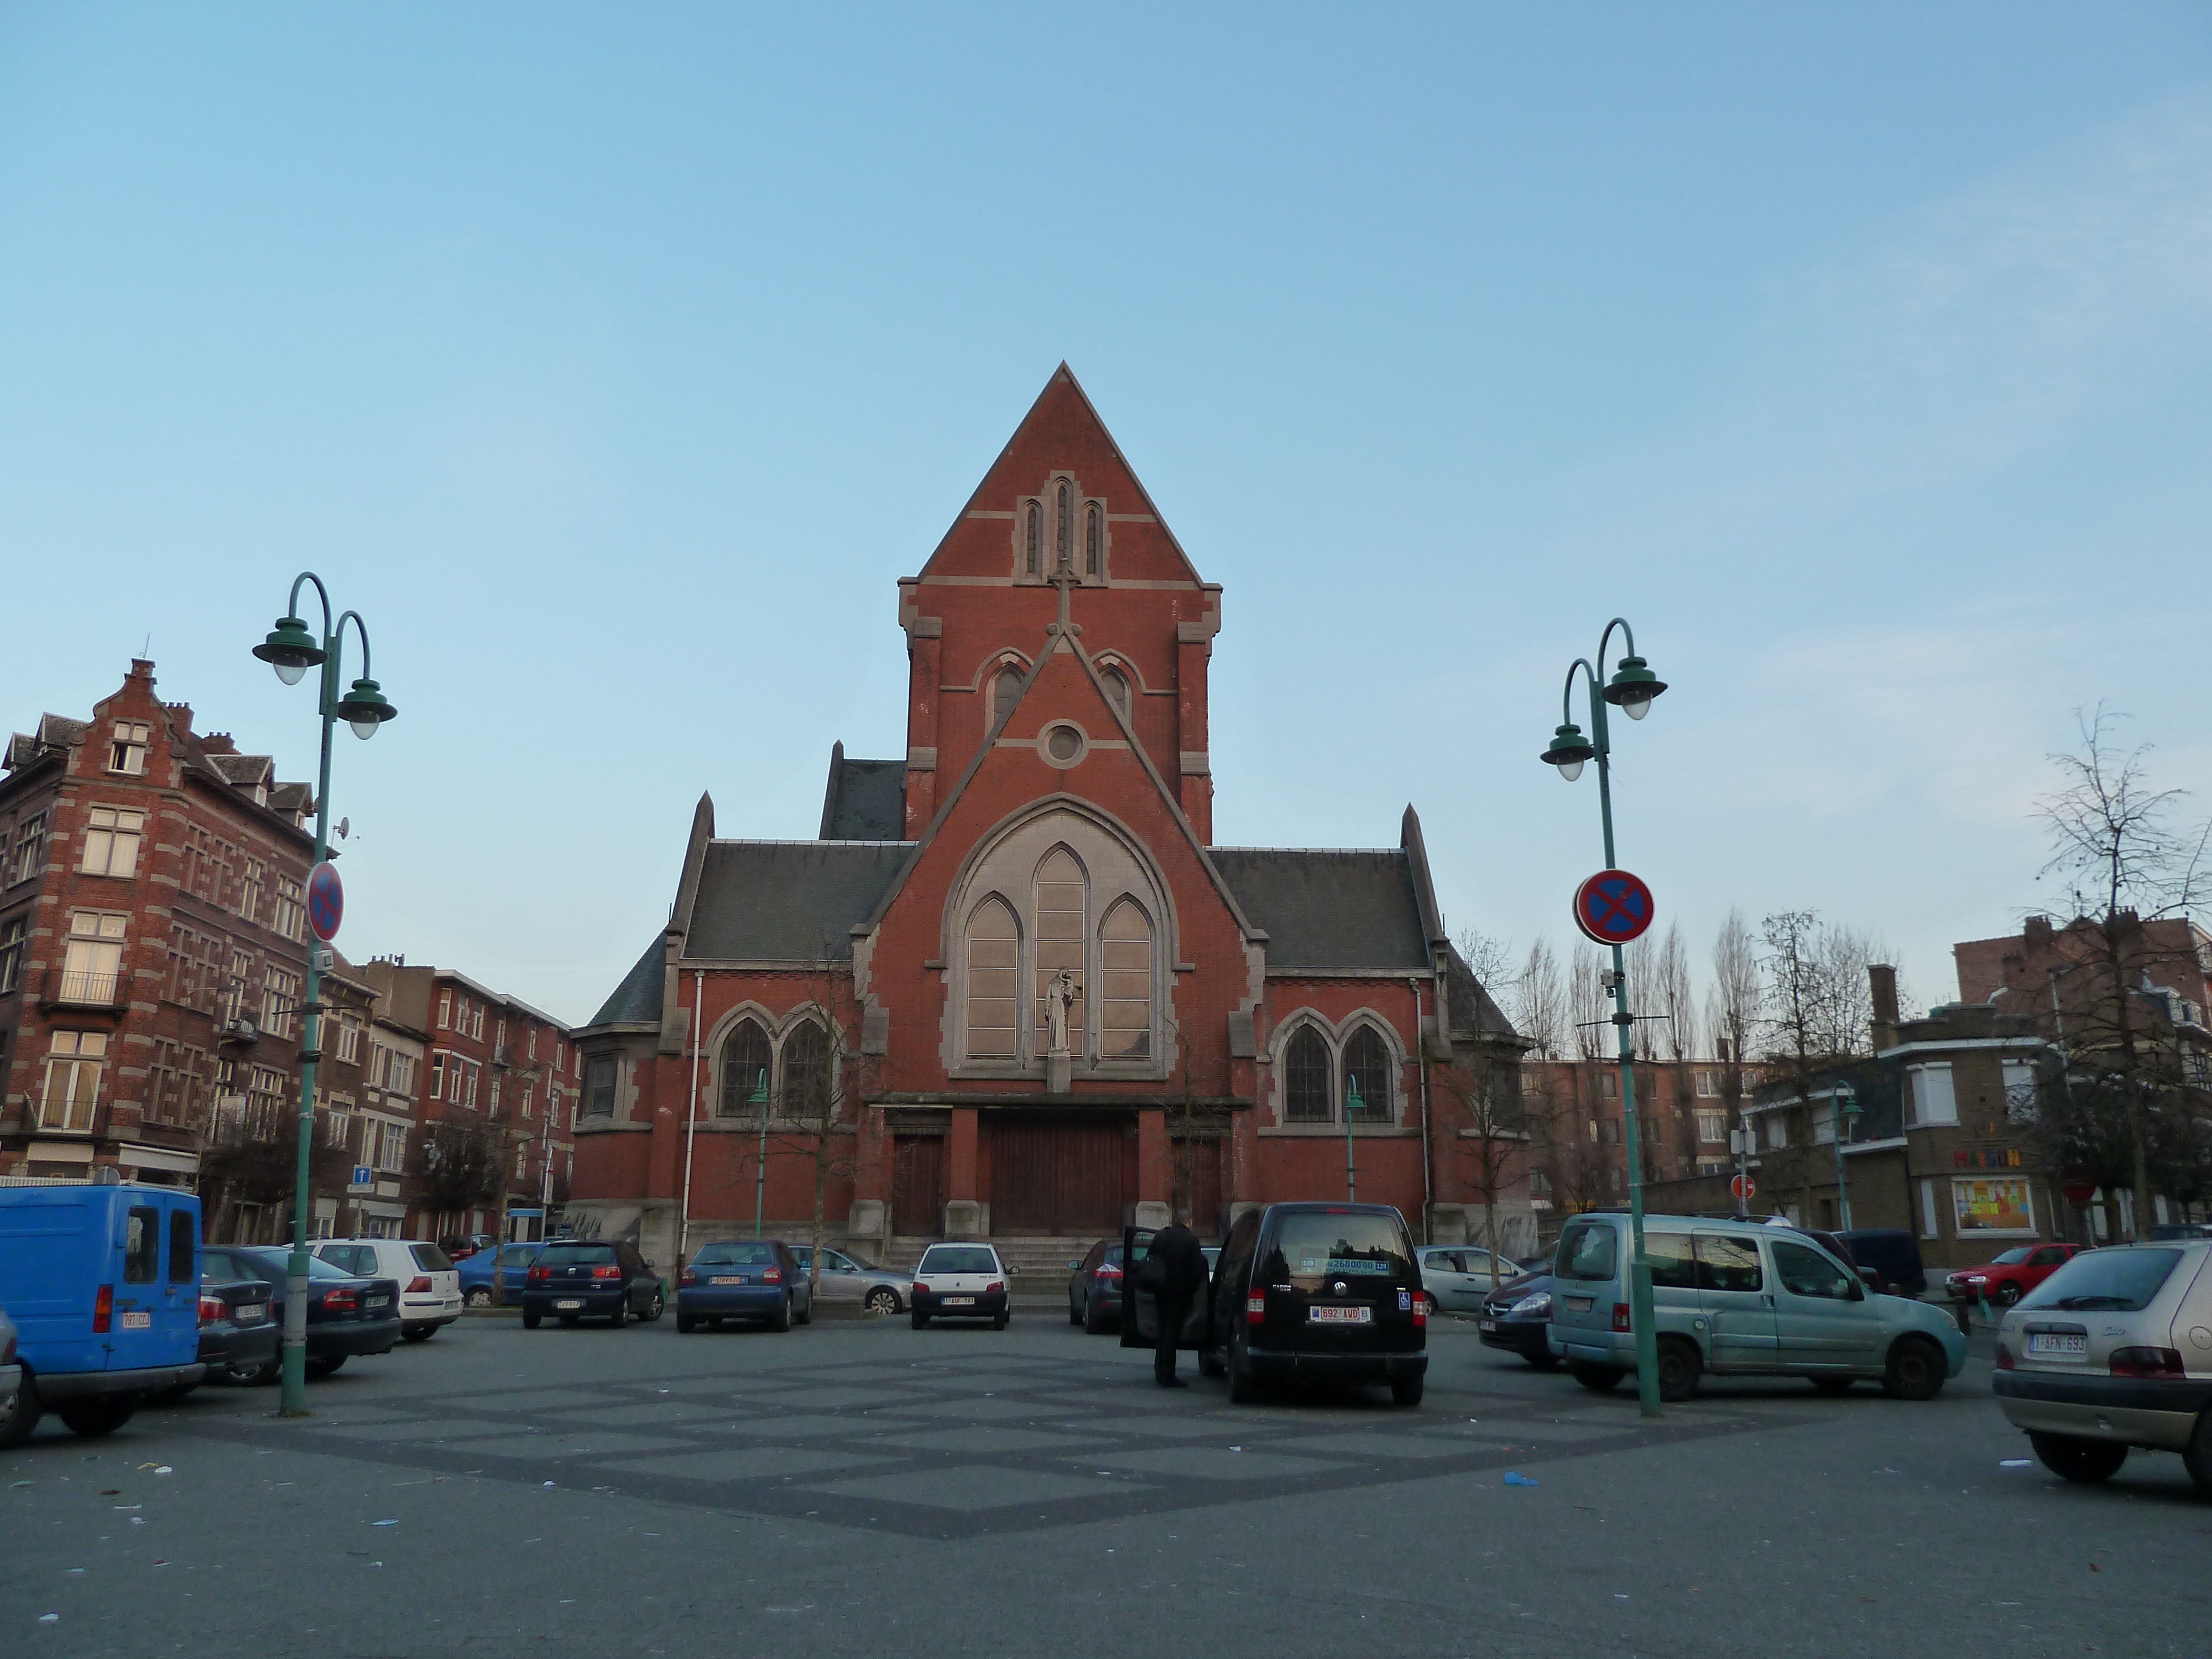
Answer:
(1630, 691)
(291, 650)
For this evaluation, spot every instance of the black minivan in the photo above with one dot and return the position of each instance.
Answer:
(1321, 1292)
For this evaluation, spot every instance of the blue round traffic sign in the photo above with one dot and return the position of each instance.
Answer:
(325, 901)
(1612, 907)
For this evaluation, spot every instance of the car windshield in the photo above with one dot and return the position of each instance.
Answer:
(959, 1258)
(575, 1256)
(1311, 1245)
(2105, 1281)
(1589, 1250)
(2009, 1258)
(751, 1254)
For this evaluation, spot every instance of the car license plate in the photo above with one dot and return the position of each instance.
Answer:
(727, 1278)
(375, 1301)
(1335, 1314)
(252, 1313)
(959, 1301)
(1579, 1303)
(568, 1304)
(1485, 1325)
(2057, 1342)
(137, 1321)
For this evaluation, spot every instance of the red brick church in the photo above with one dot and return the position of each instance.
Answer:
(1011, 988)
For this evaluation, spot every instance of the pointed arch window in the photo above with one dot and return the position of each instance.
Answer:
(1124, 957)
(1118, 690)
(1060, 940)
(1305, 1077)
(746, 1059)
(1094, 539)
(806, 1078)
(1034, 541)
(1063, 539)
(993, 975)
(1367, 1071)
(1004, 690)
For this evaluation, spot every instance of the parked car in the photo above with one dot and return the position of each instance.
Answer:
(1738, 1299)
(459, 1247)
(11, 1374)
(749, 1278)
(102, 1282)
(1456, 1276)
(960, 1281)
(511, 1264)
(1311, 1291)
(2010, 1274)
(2173, 1230)
(238, 1328)
(429, 1285)
(2114, 1351)
(1891, 1253)
(847, 1278)
(1518, 1318)
(347, 1316)
(577, 1279)
(1094, 1287)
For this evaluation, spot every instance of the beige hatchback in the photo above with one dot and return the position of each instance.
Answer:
(2114, 1351)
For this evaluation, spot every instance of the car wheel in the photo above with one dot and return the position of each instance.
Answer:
(655, 1308)
(1543, 1358)
(804, 1316)
(2007, 1293)
(1430, 1297)
(999, 1322)
(418, 1333)
(260, 1376)
(1407, 1390)
(20, 1415)
(1833, 1385)
(478, 1296)
(620, 1316)
(324, 1367)
(1243, 1387)
(780, 1319)
(529, 1321)
(1598, 1379)
(1915, 1369)
(920, 1318)
(100, 1415)
(2196, 1456)
(1074, 1317)
(1094, 1322)
(883, 1300)
(1679, 1367)
(2072, 1458)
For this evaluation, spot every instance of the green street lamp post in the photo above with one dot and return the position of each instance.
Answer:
(759, 1097)
(291, 650)
(1631, 690)
(1353, 1106)
(1843, 1112)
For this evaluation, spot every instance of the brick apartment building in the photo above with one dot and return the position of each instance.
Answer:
(152, 941)
(1012, 973)
(495, 1082)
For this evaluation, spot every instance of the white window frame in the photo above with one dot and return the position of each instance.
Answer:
(126, 750)
(1923, 1080)
(113, 836)
(1930, 1210)
(79, 1058)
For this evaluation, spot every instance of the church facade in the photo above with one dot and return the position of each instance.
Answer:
(1011, 988)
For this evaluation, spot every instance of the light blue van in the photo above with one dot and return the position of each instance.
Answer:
(1740, 1300)
(103, 1282)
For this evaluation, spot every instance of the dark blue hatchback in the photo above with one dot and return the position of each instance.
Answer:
(744, 1278)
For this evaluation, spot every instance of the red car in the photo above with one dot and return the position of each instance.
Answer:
(2013, 1275)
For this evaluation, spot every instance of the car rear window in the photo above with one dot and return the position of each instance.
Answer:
(275, 1267)
(430, 1259)
(575, 1256)
(749, 1254)
(958, 1258)
(1588, 1250)
(2104, 1281)
(1312, 1245)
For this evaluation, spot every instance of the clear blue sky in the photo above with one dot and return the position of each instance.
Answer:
(616, 362)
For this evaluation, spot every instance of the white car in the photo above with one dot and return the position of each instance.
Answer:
(430, 1284)
(960, 1281)
(1457, 1276)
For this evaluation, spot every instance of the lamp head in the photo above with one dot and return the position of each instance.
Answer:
(1569, 751)
(1633, 686)
(364, 709)
(290, 649)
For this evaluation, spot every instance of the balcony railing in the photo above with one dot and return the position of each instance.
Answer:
(73, 987)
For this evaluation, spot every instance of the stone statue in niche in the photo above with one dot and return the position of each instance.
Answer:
(1057, 1004)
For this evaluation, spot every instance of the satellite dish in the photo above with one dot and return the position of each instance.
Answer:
(345, 826)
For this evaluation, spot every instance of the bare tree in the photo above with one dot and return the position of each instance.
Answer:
(1592, 1008)
(1540, 1003)
(1485, 1117)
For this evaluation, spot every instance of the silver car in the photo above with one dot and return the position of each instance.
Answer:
(2114, 1351)
(1457, 1276)
(848, 1279)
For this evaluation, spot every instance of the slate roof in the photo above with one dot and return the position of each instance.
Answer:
(636, 1000)
(786, 901)
(1473, 1012)
(1327, 908)
(866, 800)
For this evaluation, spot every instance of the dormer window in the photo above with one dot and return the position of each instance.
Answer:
(127, 753)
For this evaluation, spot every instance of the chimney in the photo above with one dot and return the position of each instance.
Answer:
(1881, 981)
(142, 669)
(2037, 934)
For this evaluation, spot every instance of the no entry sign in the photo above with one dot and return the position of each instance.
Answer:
(1612, 907)
(1743, 1186)
(325, 901)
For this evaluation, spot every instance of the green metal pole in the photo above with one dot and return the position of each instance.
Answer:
(1352, 1104)
(760, 1176)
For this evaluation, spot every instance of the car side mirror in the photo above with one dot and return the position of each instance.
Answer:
(1073, 1265)
(1870, 1279)
(1011, 1270)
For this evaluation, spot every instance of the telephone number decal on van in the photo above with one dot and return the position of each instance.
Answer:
(1353, 1264)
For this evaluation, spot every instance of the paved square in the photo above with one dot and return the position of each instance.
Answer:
(967, 1489)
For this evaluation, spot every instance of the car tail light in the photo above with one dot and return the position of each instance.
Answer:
(2147, 1361)
(2005, 1362)
(771, 1276)
(103, 1311)
(340, 1302)
(687, 1276)
(920, 1288)
(1109, 1272)
(1420, 1311)
(606, 1272)
(418, 1286)
(1255, 1310)
(540, 1273)
(995, 1285)
(1620, 1316)
(213, 1309)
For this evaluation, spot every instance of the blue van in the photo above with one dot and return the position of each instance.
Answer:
(103, 1282)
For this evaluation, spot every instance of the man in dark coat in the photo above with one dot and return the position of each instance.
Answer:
(1177, 1267)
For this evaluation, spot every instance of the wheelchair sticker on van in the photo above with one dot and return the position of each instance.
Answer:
(1405, 1301)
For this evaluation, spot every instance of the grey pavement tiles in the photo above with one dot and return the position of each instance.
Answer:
(958, 1448)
